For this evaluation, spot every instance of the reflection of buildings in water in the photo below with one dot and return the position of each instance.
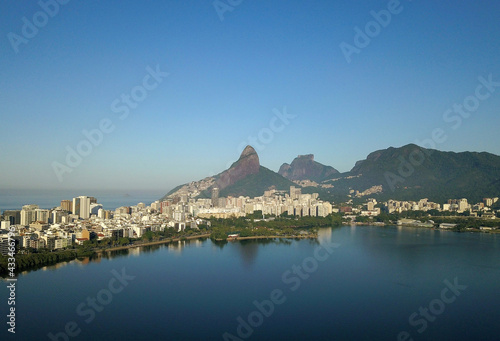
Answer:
(353, 230)
(325, 235)
(55, 266)
(248, 252)
(196, 243)
(84, 261)
(135, 251)
(176, 247)
(399, 235)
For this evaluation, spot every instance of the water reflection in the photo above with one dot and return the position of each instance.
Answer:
(248, 250)
(173, 247)
(177, 247)
(364, 290)
(325, 235)
(419, 254)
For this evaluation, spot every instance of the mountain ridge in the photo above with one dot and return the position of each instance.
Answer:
(245, 177)
(303, 167)
(409, 172)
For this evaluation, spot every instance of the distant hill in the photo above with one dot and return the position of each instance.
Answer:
(303, 167)
(245, 177)
(412, 172)
(255, 184)
(406, 173)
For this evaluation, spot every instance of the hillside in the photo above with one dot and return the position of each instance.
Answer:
(303, 167)
(245, 177)
(406, 173)
(412, 172)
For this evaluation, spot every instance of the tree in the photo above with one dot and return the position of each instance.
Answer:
(148, 235)
(218, 233)
(123, 241)
(105, 242)
(362, 219)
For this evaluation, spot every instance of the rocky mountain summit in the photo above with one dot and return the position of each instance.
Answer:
(303, 167)
(245, 177)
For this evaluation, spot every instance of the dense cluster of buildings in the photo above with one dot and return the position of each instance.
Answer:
(453, 205)
(272, 203)
(82, 218)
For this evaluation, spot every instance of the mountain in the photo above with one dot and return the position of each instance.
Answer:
(412, 172)
(405, 173)
(245, 177)
(303, 167)
(256, 184)
(247, 164)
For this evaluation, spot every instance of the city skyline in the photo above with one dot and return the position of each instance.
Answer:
(164, 94)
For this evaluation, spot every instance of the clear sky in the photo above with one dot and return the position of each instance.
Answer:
(228, 78)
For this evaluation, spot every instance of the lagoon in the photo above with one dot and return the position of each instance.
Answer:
(352, 283)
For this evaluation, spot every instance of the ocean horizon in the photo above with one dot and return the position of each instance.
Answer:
(14, 199)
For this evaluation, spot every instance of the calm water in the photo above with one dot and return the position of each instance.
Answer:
(366, 289)
(110, 199)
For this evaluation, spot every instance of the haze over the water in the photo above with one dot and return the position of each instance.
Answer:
(155, 94)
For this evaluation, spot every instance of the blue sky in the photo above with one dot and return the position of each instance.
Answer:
(226, 79)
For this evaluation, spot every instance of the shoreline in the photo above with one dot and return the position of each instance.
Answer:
(100, 252)
(206, 235)
(273, 237)
(158, 242)
(436, 227)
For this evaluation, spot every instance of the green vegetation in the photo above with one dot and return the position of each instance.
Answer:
(439, 177)
(255, 185)
(43, 257)
(34, 259)
(280, 226)
(463, 220)
(304, 167)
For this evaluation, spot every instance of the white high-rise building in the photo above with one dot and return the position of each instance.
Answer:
(94, 208)
(57, 216)
(42, 215)
(463, 205)
(81, 206)
(28, 214)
